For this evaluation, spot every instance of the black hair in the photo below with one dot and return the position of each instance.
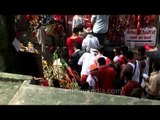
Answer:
(129, 55)
(137, 92)
(101, 61)
(77, 45)
(75, 30)
(124, 49)
(117, 50)
(142, 50)
(156, 64)
(110, 55)
(128, 74)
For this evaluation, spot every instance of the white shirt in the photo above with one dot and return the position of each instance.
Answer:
(145, 70)
(91, 81)
(116, 58)
(101, 23)
(90, 42)
(147, 64)
(98, 56)
(137, 71)
(86, 60)
(77, 20)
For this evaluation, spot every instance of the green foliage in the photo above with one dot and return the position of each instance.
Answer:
(55, 55)
(64, 64)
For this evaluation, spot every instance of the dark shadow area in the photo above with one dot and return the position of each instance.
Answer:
(29, 64)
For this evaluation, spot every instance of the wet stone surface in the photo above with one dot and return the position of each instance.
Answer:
(8, 90)
(40, 95)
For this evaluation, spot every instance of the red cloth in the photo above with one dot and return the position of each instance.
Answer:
(45, 83)
(106, 76)
(107, 60)
(83, 78)
(70, 42)
(122, 60)
(127, 89)
(57, 17)
(147, 47)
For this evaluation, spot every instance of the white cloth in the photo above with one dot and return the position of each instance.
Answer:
(77, 20)
(98, 56)
(145, 70)
(136, 75)
(116, 58)
(86, 60)
(147, 64)
(90, 42)
(91, 81)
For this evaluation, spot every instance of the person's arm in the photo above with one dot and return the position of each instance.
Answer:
(84, 46)
(145, 77)
(126, 67)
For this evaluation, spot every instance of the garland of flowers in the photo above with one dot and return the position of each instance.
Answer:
(61, 71)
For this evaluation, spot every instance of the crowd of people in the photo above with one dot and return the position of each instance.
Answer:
(119, 74)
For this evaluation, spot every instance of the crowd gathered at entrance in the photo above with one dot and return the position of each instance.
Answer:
(125, 73)
(121, 72)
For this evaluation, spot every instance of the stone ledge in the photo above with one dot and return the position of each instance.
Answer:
(14, 77)
(7, 90)
(39, 95)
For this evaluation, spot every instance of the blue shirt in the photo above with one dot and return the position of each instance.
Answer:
(101, 23)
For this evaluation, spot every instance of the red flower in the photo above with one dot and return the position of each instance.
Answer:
(44, 83)
(57, 17)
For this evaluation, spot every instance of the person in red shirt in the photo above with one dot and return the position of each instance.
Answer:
(130, 85)
(120, 63)
(70, 40)
(123, 60)
(106, 76)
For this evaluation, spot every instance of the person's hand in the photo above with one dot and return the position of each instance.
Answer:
(145, 77)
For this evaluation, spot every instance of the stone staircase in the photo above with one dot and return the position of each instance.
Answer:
(16, 90)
